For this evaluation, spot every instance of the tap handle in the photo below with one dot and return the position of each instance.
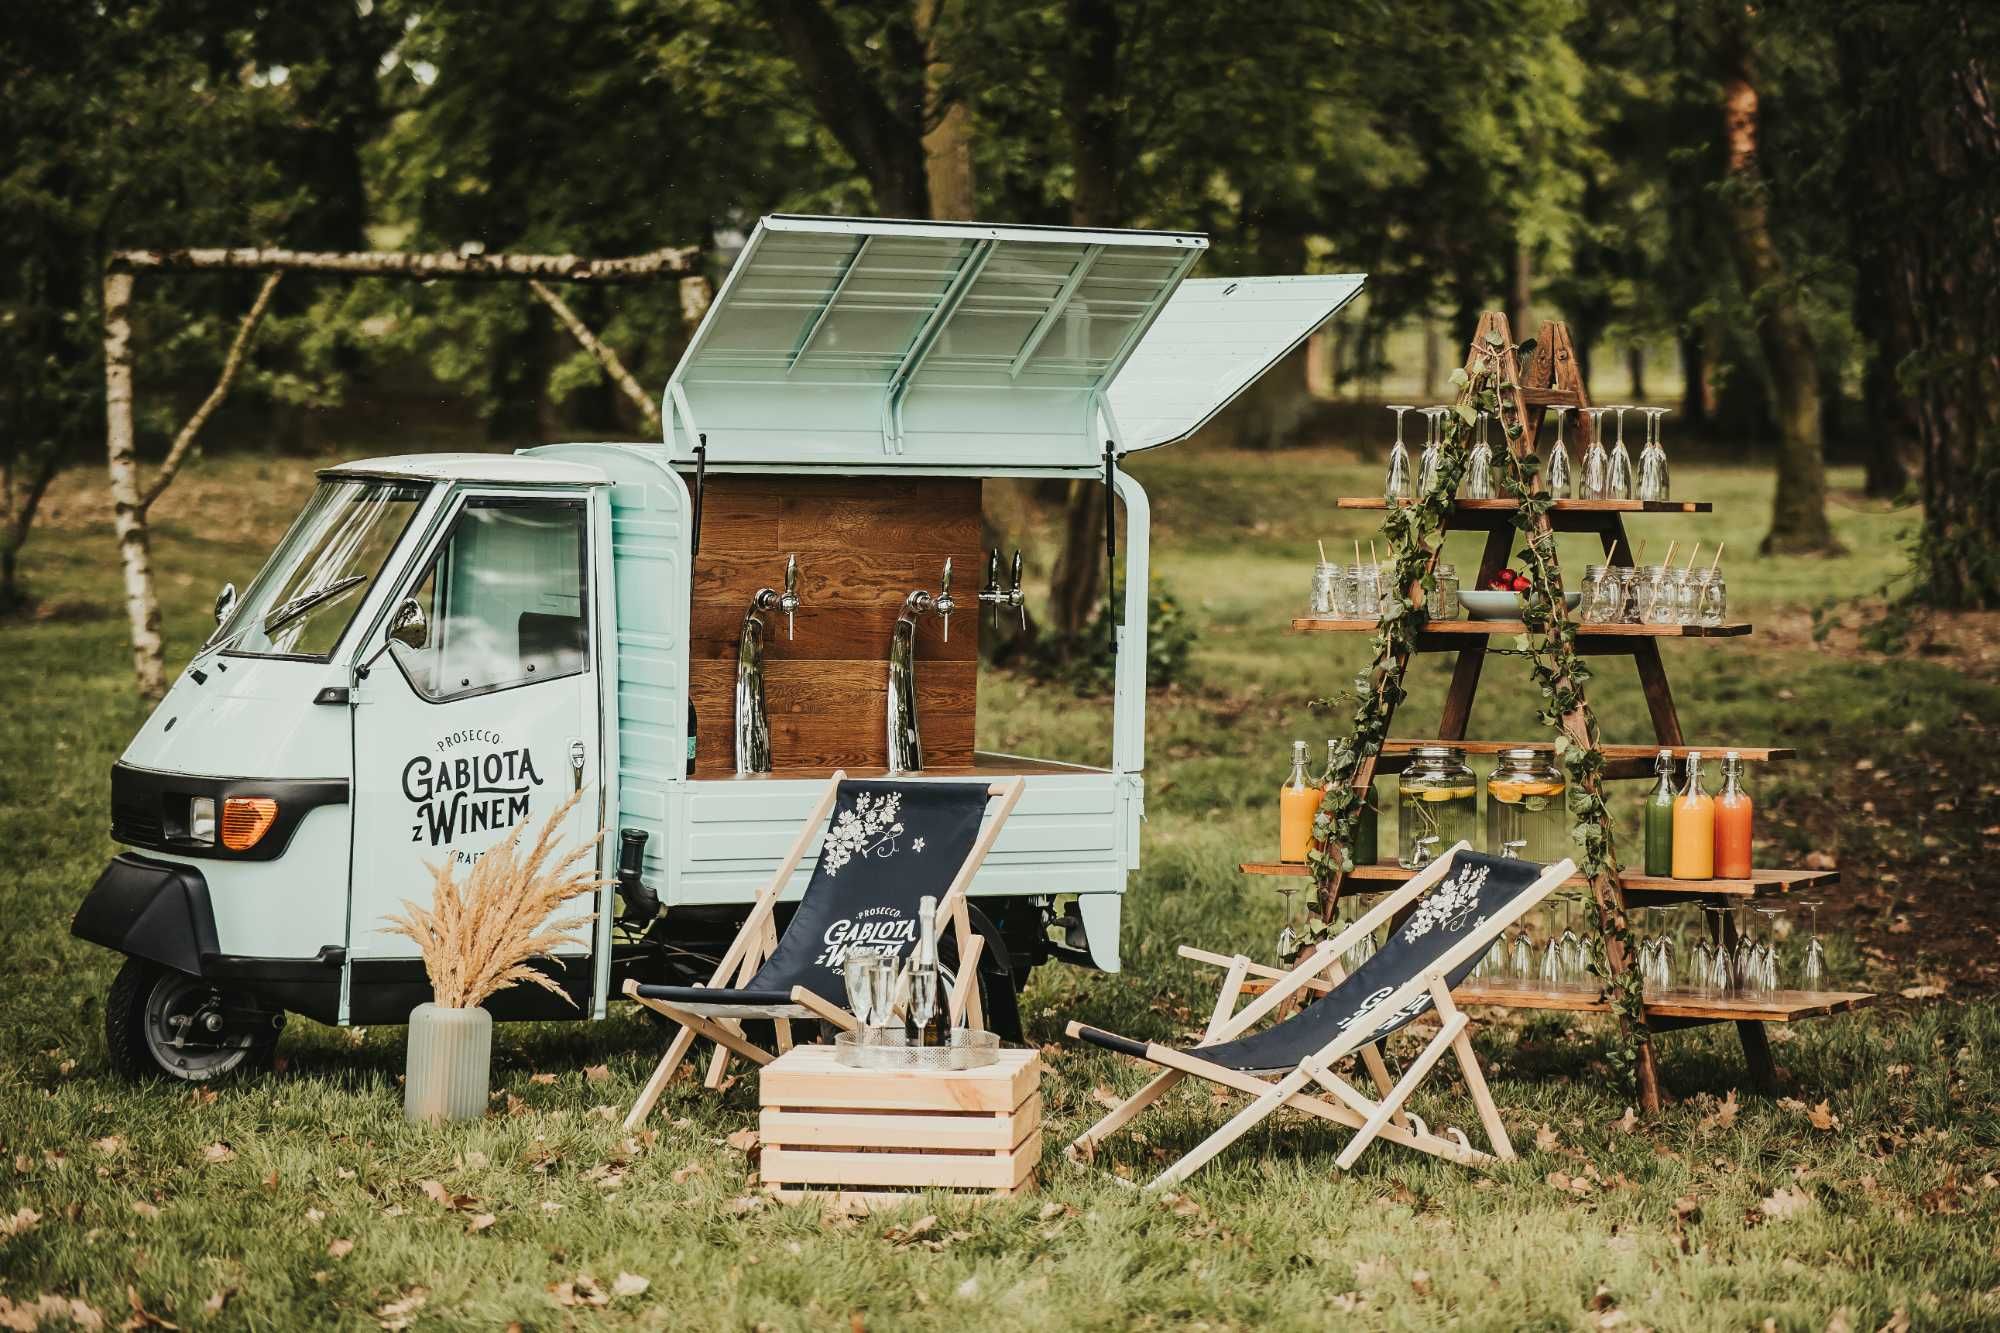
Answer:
(992, 571)
(789, 603)
(944, 603)
(1014, 594)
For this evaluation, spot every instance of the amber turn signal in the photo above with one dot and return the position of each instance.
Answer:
(245, 820)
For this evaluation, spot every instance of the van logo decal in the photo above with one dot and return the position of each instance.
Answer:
(474, 783)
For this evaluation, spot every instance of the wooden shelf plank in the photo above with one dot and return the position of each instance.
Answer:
(1561, 506)
(1487, 629)
(1382, 875)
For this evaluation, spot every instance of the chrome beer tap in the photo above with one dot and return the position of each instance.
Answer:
(906, 746)
(753, 722)
(996, 596)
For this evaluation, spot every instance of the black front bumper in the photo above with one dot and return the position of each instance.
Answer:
(160, 911)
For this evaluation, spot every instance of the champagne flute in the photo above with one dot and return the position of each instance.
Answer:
(1288, 939)
(1595, 483)
(1813, 975)
(1619, 483)
(1653, 459)
(1560, 481)
(1398, 486)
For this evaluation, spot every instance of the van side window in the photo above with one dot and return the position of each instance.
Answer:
(503, 600)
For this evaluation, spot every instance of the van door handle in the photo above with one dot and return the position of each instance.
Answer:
(576, 765)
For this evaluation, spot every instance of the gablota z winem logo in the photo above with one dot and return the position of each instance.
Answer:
(463, 790)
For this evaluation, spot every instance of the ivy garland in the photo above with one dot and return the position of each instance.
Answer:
(1415, 533)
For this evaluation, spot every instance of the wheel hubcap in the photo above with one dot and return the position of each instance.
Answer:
(187, 1031)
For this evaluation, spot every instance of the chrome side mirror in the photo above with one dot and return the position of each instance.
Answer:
(408, 626)
(225, 602)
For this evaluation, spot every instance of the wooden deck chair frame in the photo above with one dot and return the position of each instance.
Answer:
(758, 939)
(1372, 1118)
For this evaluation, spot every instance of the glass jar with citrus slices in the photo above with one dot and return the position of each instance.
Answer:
(1437, 804)
(1526, 814)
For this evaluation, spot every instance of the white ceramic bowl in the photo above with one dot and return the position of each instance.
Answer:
(1492, 605)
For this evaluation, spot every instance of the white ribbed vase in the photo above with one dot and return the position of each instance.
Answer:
(450, 1057)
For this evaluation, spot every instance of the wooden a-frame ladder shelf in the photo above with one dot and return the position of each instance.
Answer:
(1554, 379)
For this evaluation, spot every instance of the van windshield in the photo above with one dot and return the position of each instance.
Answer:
(308, 591)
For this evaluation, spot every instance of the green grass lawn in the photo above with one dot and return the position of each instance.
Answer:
(303, 1198)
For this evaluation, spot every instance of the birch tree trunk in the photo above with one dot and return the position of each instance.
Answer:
(602, 352)
(128, 512)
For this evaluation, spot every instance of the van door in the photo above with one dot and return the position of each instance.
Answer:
(480, 717)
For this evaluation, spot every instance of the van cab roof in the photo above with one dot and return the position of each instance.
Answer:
(505, 469)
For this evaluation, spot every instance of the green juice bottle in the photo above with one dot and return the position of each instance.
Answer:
(1660, 818)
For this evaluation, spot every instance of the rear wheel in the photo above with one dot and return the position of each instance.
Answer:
(161, 1022)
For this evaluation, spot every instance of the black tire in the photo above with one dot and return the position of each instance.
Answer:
(139, 994)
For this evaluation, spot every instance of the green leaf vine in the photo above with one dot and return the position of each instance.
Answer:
(1415, 534)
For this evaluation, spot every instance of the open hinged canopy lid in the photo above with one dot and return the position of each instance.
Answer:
(849, 342)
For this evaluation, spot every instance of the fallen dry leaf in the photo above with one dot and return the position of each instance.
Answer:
(1568, 1184)
(541, 1078)
(29, 1313)
(1546, 1139)
(581, 1290)
(683, 1174)
(141, 1316)
(22, 1219)
(596, 1073)
(478, 1222)
(1724, 1116)
(629, 1284)
(1106, 1098)
(744, 1203)
(444, 1198)
(339, 1247)
(213, 1305)
(923, 1226)
(743, 1140)
(401, 1313)
(1822, 1117)
(108, 1145)
(204, 1097)
(1628, 1122)
(144, 1209)
(216, 1153)
(1784, 1204)
(1921, 992)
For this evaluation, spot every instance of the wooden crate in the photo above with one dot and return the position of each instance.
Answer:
(826, 1126)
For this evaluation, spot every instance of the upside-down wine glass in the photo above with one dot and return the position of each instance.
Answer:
(1433, 449)
(1595, 481)
(1813, 974)
(1619, 485)
(1562, 483)
(1479, 466)
(1653, 459)
(1288, 939)
(1397, 488)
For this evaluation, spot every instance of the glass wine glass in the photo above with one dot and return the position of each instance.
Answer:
(1595, 483)
(1619, 484)
(1522, 963)
(1574, 955)
(1433, 449)
(1719, 979)
(1561, 482)
(1398, 486)
(1288, 939)
(1479, 466)
(1767, 952)
(1743, 965)
(1813, 974)
(1653, 459)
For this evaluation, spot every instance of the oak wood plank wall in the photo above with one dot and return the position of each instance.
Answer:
(863, 545)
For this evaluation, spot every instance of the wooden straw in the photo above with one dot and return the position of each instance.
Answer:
(1691, 555)
(1611, 555)
(1718, 558)
(1322, 551)
(1357, 553)
(1639, 556)
(1668, 562)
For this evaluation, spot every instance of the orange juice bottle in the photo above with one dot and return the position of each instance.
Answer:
(1298, 802)
(1694, 826)
(1732, 822)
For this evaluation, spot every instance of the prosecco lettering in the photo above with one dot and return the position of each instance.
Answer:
(458, 794)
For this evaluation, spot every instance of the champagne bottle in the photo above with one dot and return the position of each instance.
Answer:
(924, 1020)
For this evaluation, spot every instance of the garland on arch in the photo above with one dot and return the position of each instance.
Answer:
(1415, 534)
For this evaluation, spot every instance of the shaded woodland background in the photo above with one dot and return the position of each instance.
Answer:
(1795, 206)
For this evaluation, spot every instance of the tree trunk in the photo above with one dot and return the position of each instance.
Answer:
(885, 141)
(21, 504)
(1635, 363)
(142, 600)
(948, 141)
(1946, 267)
(1798, 511)
(1090, 109)
(1520, 288)
(1697, 395)
(1431, 359)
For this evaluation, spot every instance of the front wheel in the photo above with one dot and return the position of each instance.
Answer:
(158, 1021)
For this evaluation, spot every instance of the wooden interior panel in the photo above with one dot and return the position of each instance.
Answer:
(863, 546)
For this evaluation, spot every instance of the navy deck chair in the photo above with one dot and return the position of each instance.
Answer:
(888, 843)
(1458, 905)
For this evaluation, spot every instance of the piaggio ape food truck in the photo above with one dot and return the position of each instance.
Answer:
(445, 645)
